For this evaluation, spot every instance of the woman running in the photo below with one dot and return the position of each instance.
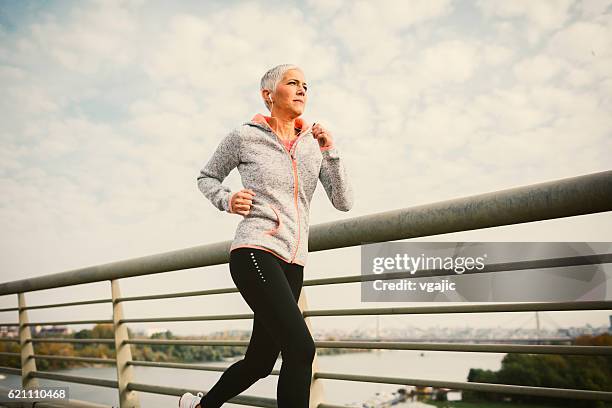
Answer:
(280, 158)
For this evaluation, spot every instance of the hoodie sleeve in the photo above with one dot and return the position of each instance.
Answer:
(335, 180)
(225, 158)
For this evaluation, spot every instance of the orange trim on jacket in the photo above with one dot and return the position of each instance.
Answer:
(302, 125)
(267, 250)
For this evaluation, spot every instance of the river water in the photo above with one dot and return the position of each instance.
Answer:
(435, 365)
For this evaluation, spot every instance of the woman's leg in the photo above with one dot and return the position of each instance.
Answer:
(299, 349)
(271, 288)
(262, 352)
(258, 362)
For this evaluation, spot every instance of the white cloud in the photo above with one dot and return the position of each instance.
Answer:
(28, 99)
(199, 51)
(326, 8)
(370, 31)
(546, 15)
(100, 32)
(537, 69)
(593, 8)
(496, 54)
(530, 19)
(587, 47)
(582, 42)
(8, 73)
(452, 61)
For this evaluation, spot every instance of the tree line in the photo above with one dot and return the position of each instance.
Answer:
(153, 352)
(556, 371)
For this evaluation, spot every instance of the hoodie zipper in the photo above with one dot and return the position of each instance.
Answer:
(291, 154)
(295, 198)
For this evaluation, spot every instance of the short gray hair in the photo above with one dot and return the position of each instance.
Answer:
(273, 77)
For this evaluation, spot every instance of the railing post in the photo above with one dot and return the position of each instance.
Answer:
(28, 364)
(127, 398)
(317, 394)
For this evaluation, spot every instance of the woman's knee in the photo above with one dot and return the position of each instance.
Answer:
(302, 352)
(259, 368)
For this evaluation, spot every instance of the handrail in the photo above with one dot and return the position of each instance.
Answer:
(580, 195)
(424, 273)
(586, 194)
(469, 308)
(438, 309)
(485, 346)
(501, 388)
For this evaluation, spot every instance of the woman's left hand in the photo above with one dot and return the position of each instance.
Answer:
(322, 135)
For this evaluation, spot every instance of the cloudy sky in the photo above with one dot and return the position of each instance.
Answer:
(110, 108)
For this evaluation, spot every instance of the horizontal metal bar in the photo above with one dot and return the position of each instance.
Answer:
(424, 273)
(9, 354)
(189, 342)
(10, 370)
(586, 194)
(475, 348)
(82, 359)
(182, 366)
(240, 399)
(486, 387)
(9, 324)
(79, 303)
(475, 340)
(105, 321)
(387, 345)
(470, 308)
(188, 318)
(499, 388)
(82, 302)
(194, 257)
(61, 340)
(74, 379)
(9, 339)
(176, 365)
(219, 291)
(490, 268)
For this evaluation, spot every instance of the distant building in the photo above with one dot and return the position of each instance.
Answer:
(51, 330)
(9, 331)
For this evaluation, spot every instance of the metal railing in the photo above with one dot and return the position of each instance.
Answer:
(587, 194)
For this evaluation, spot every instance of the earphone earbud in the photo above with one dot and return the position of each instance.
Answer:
(270, 98)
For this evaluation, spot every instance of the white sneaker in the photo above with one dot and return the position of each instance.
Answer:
(188, 400)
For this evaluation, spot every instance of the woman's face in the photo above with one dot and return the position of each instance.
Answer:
(290, 95)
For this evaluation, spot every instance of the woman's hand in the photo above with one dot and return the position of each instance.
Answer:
(322, 135)
(241, 202)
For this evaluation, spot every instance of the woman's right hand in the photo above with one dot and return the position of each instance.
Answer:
(241, 202)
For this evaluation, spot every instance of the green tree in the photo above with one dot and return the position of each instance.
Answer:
(551, 371)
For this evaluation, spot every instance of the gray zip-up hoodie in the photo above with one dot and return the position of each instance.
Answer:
(283, 182)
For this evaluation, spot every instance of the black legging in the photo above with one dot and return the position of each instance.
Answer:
(271, 287)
